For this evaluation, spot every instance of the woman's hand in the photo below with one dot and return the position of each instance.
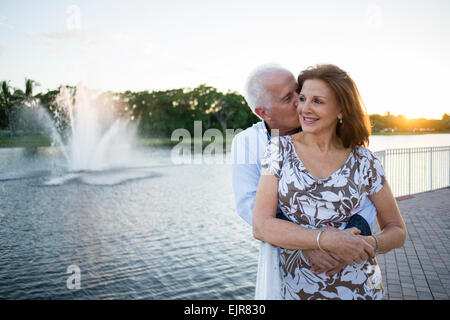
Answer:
(322, 261)
(347, 245)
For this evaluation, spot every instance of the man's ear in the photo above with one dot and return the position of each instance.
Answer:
(262, 113)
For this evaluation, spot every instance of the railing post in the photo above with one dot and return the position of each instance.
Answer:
(431, 168)
(394, 163)
(448, 167)
(409, 171)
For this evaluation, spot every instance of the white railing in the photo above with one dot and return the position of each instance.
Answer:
(415, 170)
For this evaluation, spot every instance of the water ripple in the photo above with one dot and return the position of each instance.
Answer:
(172, 236)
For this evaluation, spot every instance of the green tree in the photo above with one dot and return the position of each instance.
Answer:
(9, 101)
(445, 122)
(377, 122)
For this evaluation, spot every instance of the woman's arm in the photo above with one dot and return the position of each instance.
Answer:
(345, 244)
(267, 228)
(393, 229)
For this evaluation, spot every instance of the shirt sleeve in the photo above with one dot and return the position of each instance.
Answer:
(245, 179)
(375, 174)
(272, 159)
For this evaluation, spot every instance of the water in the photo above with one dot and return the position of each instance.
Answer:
(172, 233)
(378, 143)
(172, 236)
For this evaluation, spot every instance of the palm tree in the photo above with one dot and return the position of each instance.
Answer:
(12, 101)
(6, 100)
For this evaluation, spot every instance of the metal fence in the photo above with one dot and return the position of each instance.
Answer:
(415, 170)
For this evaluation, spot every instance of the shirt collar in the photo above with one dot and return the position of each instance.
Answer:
(266, 129)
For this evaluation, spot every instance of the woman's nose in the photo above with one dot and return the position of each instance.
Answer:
(304, 107)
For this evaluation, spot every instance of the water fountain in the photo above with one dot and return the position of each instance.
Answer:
(100, 146)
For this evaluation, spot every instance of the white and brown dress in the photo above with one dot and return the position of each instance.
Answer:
(316, 203)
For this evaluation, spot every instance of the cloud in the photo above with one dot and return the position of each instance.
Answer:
(119, 40)
(4, 24)
(62, 37)
(94, 41)
(115, 60)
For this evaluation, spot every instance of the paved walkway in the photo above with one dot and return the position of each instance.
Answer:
(421, 268)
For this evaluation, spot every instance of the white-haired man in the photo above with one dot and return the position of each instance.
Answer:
(271, 93)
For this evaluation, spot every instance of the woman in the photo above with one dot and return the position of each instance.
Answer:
(320, 177)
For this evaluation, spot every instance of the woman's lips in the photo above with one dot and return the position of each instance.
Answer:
(309, 120)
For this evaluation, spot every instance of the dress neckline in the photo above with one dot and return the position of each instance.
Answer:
(309, 173)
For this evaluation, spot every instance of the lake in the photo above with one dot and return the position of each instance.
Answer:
(384, 142)
(156, 231)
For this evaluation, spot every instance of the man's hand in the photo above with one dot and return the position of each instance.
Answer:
(323, 262)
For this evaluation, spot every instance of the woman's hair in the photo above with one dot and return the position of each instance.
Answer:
(355, 128)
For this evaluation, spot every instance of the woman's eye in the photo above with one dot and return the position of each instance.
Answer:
(317, 101)
(302, 99)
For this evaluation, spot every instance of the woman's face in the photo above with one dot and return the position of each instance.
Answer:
(318, 109)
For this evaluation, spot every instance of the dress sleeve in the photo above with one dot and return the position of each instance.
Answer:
(375, 174)
(272, 159)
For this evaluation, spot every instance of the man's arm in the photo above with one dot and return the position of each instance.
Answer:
(368, 212)
(245, 179)
(246, 170)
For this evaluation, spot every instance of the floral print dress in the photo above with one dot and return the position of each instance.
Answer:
(315, 203)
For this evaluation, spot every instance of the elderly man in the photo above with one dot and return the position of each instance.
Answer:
(271, 93)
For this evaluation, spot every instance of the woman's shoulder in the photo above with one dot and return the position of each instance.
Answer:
(277, 148)
(364, 153)
(274, 155)
(279, 143)
(279, 139)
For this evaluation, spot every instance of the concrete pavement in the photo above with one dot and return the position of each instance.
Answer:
(421, 268)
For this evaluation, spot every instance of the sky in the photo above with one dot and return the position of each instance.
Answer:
(398, 52)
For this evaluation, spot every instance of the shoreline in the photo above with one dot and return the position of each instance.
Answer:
(42, 140)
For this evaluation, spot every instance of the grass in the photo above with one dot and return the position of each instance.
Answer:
(42, 140)
(24, 140)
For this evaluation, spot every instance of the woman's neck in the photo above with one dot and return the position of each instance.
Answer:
(324, 142)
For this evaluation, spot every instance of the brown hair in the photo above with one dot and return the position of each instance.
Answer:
(355, 129)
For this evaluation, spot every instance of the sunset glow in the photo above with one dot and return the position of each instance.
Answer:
(396, 51)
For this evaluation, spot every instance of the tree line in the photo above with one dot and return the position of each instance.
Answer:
(389, 122)
(159, 113)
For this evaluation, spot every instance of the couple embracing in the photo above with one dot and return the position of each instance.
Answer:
(305, 181)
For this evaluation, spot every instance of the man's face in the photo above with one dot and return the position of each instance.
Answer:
(282, 115)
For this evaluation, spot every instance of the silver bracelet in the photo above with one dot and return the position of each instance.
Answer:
(376, 243)
(317, 241)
